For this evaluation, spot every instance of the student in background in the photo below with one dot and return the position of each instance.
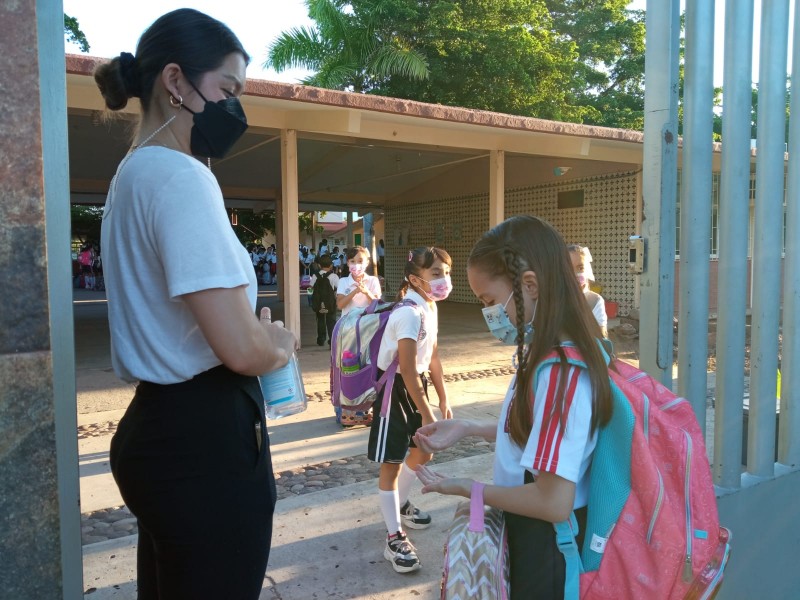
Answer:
(582, 263)
(323, 300)
(358, 289)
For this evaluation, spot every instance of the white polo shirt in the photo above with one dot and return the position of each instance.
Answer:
(406, 322)
(564, 452)
(346, 285)
(165, 234)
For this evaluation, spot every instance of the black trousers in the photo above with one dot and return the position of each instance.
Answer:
(537, 570)
(325, 323)
(192, 462)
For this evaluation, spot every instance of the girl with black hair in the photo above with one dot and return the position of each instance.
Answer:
(522, 273)
(191, 455)
(410, 339)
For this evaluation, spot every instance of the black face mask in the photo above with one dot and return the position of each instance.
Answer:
(217, 127)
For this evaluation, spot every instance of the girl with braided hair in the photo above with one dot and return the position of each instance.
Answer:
(545, 437)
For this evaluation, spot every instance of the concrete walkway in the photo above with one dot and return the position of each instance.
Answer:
(327, 543)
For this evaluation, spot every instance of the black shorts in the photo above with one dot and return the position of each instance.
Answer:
(390, 437)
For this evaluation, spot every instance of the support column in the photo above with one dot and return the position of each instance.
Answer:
(40, 542)
(291, 235)
(369, 241)
(660, 172)
(698, 101)
(734, 216)
(349, 230)
(767, 242)
(279, 243)
(497, 187)
(789, 435)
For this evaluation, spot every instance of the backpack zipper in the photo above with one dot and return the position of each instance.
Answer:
(657, 509)
(687, 565)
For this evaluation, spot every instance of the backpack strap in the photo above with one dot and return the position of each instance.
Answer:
(565, 540)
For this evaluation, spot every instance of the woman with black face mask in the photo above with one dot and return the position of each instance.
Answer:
(191, 455)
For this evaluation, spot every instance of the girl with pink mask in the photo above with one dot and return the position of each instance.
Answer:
(410, 338)
(358, 289)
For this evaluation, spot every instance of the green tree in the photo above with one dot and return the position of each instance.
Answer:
(251, 225)
(348, 49)
(73, 33)
(499, 55)
(86, 221)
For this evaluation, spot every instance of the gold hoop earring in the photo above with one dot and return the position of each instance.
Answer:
(176, 103)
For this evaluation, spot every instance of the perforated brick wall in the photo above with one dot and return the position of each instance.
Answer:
(604, 224)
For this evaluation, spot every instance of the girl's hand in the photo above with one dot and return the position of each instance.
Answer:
(444, 407)
(440, 435)
(436, 482)
(428, 418)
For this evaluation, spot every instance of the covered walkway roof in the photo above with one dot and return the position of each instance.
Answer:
(355, 151)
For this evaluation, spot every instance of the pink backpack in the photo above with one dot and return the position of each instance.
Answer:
(652, 528)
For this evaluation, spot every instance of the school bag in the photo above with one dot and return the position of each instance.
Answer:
(323, 299)
(355, 343)
(652, 526)
(305, 280)
(476, 554)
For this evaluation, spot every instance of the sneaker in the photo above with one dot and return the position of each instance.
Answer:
(414, 518)
(401, 553)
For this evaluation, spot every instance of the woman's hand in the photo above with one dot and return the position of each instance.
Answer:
(436, 482)
(285, 342)
(440, 435)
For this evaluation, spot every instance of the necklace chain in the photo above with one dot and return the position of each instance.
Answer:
(151, 136)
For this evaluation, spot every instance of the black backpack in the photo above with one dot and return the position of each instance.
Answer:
(323, 298)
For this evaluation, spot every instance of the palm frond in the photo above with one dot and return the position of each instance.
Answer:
(407, 62)
(298, 47)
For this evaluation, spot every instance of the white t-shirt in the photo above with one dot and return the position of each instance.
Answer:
(166, 233)
(598, 305)
(406, 322)
(360, 300)
(333, 279)
(566, 453)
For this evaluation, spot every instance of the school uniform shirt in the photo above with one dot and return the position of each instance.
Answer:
(598, 306)
(420, 324)
(564, 452)
(161, 203)
(333, 279)
(346, 285)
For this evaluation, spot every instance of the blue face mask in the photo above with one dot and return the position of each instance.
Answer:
(500, 325)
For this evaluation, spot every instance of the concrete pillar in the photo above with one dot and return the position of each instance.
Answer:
(497, 187)
(291, 234)
(279, 243)
(349, 240)
(40, 546)
(369, 241)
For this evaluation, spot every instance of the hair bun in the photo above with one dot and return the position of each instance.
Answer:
(129, 71)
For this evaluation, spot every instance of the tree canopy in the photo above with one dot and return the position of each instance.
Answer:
(73, 33)
(572, 60)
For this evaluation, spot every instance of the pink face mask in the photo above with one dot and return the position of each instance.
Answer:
(356, 269)
(440, 288)
(581, 280)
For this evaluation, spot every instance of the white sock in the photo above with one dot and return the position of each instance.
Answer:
(404, 482)
(390, 508)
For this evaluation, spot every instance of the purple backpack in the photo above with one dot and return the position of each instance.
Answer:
(355, 344)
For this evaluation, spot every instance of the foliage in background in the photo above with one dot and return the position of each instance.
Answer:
(86, 221)
(73, 33)
(348, 49)
(571, 60)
